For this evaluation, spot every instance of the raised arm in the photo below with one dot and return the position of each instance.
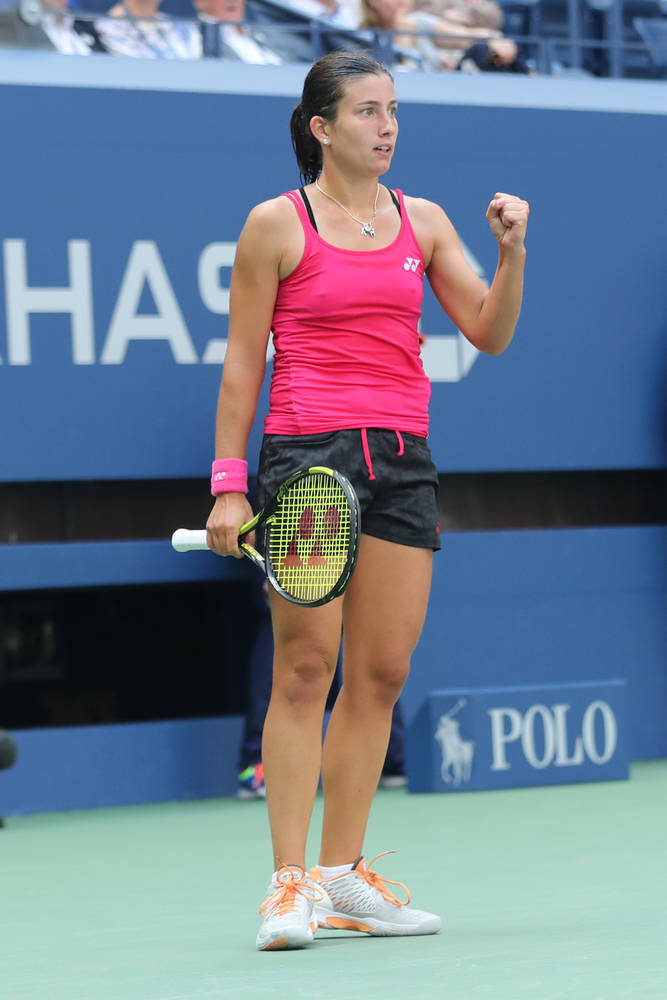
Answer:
(486, 316)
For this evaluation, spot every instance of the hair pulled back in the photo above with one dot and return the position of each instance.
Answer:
(323, 89)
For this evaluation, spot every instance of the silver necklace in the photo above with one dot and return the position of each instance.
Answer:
(367, 228)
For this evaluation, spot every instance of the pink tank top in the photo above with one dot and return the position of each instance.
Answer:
(346, 339)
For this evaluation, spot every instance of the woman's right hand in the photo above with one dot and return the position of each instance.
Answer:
(230, 511)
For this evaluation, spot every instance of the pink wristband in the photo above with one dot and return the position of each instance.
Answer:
(229, 475)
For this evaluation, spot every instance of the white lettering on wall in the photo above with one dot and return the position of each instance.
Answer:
(446, 357)
(214, 295)
(500, 736)
(560, 723)
(22, 301)
(213, 257)
(508, 725)
(145, 266)
(528, 736)
(610, 732)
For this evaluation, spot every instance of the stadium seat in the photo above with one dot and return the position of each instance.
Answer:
(653, 32)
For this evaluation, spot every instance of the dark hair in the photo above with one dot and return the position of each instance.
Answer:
(323, 89)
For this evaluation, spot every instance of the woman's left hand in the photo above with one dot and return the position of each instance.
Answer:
(508, 219)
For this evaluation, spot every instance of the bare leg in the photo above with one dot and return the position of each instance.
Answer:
(384, 612)
(307, 641)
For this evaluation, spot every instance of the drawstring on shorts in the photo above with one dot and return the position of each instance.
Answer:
(367, 451)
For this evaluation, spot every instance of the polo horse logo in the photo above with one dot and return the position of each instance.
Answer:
(457, 753)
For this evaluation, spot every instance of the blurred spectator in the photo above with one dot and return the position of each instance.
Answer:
(344, 13)
(136, 28)
(223, 35)
(421, 50)
(470, 13)
(498, 55)
(484, 16)
(58, 26)
(68, 35)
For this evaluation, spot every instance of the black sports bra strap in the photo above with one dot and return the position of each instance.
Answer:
(308, 208)
(396, 202)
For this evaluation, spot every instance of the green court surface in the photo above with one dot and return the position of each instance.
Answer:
(545, 893)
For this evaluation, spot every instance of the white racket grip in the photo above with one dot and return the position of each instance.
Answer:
(187, 540)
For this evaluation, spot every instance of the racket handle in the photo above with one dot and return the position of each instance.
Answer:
(185, 540)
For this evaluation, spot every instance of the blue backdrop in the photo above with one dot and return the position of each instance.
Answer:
(124, 190)
(120, 214)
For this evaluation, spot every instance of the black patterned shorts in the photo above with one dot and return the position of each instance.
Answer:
(392, 472)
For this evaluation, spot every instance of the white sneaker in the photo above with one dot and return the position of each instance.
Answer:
(289, 920)
(362, 901)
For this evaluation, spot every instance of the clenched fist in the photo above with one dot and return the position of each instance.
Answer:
(508, 219)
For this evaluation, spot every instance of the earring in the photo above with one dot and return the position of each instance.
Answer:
(325, 142)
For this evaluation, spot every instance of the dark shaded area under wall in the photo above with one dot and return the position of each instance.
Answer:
(139, 653)
(125, 509)
(123, 654)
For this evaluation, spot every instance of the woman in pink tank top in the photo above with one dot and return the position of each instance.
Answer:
(335, 270)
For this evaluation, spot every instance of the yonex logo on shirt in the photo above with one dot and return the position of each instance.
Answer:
(413, 264)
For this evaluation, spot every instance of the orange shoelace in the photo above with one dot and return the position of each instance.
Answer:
(283, 900)
(377, 882)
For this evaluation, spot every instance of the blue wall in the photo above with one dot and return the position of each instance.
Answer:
(545, 607)
(134, 199)
(133, 194)
(90, 767)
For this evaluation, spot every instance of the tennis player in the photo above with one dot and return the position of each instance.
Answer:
(335, 270)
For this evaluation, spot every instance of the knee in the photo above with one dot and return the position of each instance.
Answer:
(388, 678)
(305, 678)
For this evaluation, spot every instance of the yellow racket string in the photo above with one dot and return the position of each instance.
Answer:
(309, 537)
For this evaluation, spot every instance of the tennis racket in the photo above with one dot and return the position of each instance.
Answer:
(311, 537)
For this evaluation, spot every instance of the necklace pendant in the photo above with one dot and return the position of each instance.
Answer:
(367, 229)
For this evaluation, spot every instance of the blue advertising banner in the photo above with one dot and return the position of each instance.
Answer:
(123, 200)
(518, 736)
